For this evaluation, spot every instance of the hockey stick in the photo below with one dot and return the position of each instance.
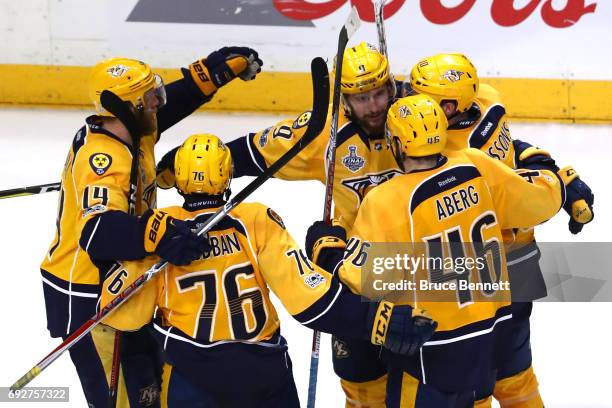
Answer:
(24, 191)
(320, 83)
(121, 110)
(380, 27)
(350, 26)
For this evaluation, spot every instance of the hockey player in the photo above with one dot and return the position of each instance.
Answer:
(477, 119)
(220, 332)
(447, 204)
(101, 195)
(363, 161)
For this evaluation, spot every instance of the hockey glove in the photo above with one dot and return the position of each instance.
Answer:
(534, 158)
(171, 239)
(325, 244)
(223, 65)
(165, 170)
(400, 329)
(578, 199)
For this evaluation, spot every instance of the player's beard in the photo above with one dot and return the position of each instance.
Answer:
(374, 124)
(147, 122)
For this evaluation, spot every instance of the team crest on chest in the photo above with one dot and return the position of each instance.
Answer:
(361, 185)
(353, 161)
(100, 162)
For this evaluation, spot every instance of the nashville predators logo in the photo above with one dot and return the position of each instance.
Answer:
(117, 71)
(452, 75)
(302, 120)
(404, 111)
(341, 349)
(361, 185)
(100, 162)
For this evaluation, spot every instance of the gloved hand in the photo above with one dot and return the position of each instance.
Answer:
(535, 158)
(223, 65)
(400, 328)
(171, 239)
(578, 199)
(322, 237)
(165, 170)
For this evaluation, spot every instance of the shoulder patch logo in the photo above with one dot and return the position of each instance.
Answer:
(263, 138)
(353, 161)
(302, 120)
(100, 162)
(314, 279)
(276, 218)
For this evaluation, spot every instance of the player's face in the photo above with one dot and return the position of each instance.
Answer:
(370, 108)
(152, 100)
(155, 98)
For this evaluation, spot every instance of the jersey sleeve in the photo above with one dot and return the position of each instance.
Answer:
(310, 294)
(492, 134)
(183, 98)
(522, 197)
(138, 310)
(255, 152)
(374, 223)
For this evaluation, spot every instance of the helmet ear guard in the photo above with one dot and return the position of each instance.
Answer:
(203, 165)
(131, 80)
(416, 127)
(446, 77)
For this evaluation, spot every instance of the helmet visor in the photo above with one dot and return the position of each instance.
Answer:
(155, 98)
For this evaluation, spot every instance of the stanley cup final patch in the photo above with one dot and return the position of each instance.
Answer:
(100, 162)
(353, 161)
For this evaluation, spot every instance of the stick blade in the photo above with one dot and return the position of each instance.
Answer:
(352, 22)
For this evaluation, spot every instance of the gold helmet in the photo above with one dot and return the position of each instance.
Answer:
(203, 165)
(445, 77)
(416, 127)
(363, 68)
(131, 80)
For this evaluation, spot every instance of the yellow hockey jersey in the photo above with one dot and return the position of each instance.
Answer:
(224, 296)
(361, 162)
(486, 127)
(456, 210)
(95, 179)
